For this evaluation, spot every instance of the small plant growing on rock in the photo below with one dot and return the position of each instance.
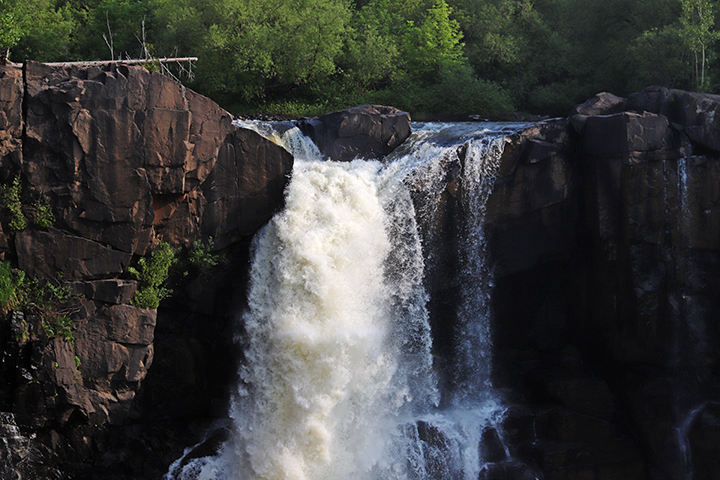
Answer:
(42, 214)
(53, 303)
(152, 272)
(59, 326)
(201, 257)
(11, 285)
(11, 198)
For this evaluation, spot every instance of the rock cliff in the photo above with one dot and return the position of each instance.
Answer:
(124, 158)
(604, 238)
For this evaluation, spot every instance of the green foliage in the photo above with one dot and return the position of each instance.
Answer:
(46, 29)
(50, 302)
(696, 29)
(152, 273)
(657, 58)
(433, 44)
(11, 285)
(42, 214)
(253, 48)
(48, 299)
(457, 92)
(59, 326)
(11, 198)
(10, 29)
(202, 258)
(304, 57)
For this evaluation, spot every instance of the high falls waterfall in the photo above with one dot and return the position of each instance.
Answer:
(339, 378)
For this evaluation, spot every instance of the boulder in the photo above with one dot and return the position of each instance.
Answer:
(657, 100)
(601, 104)
(367, 131)
(700, 115)
(110, 144)
(694, 113)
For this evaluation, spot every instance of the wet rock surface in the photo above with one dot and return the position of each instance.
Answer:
(367, 131)
(603, 238)
(609, 260)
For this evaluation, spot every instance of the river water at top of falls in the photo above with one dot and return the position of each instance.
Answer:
(338, 380)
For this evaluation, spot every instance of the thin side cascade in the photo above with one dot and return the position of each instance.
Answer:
(474, 363)
(338, 380)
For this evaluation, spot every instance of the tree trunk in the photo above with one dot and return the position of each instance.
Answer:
(136, 61)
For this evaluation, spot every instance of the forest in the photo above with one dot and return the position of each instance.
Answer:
(433, 58)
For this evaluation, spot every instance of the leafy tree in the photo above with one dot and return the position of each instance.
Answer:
(114, 28)
(434, 43)
(10, 32)
(371, 59)
(697, 22)
(657, 57)
(46, 32)
(253, 48)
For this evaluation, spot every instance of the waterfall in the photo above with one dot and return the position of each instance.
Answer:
(338, 379)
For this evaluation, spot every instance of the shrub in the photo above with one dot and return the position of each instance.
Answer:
(59, 326)
(42, 214)
(201, 257)
(11, 285)
(49, 302)
(53, 304)
(152, 273)
(11, 199)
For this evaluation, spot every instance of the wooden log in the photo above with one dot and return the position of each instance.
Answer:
(135, 61)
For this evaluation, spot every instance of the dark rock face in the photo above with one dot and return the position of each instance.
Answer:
(604, 240)
(656, 258)
(242, 195)
(124, 158)
(123, 153)
(367, 131)
(42, 254)
(606, 286)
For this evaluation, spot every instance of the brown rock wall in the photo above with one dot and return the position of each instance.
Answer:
(124, 158)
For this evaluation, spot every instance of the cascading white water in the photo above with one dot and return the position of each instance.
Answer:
(337, 380)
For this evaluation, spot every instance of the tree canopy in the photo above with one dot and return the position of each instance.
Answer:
(431, 57)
